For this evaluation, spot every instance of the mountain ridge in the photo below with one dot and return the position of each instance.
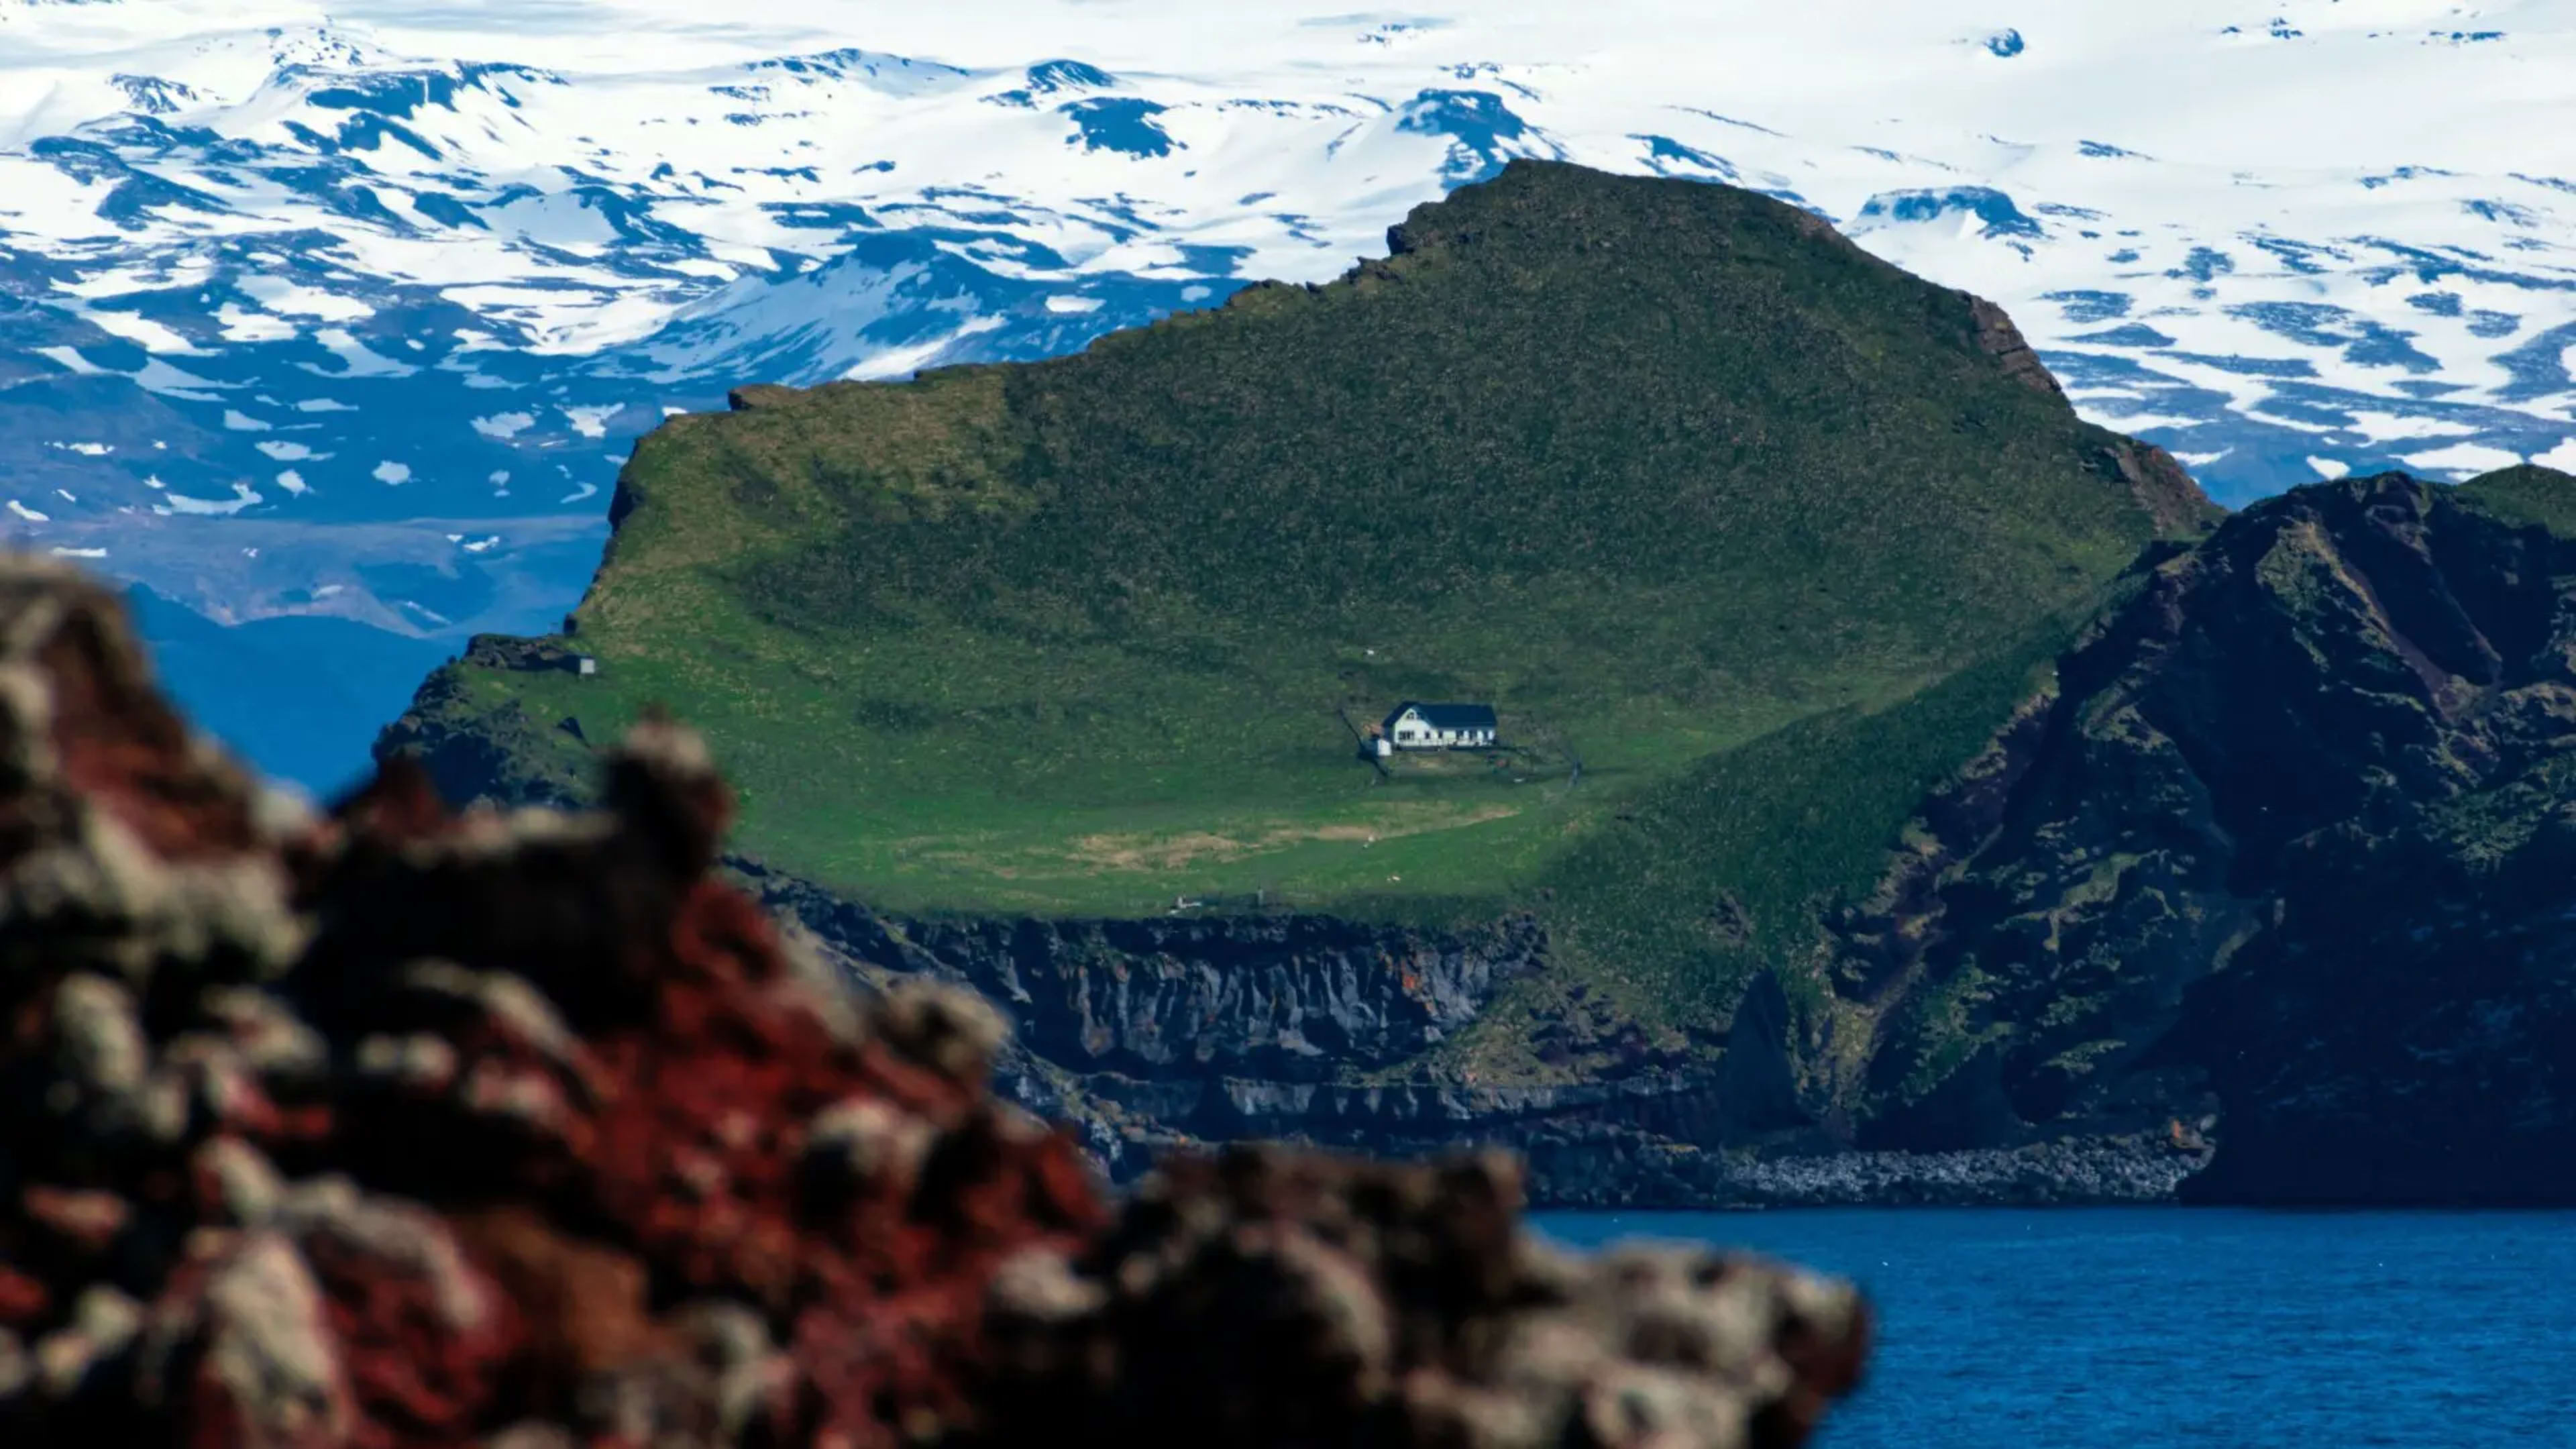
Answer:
(359, 156)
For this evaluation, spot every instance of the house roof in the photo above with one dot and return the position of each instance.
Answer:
(1446, 716)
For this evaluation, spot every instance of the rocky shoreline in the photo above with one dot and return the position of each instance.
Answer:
(2066, 1173)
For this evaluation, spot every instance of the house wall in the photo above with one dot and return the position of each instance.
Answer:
(1411, 733)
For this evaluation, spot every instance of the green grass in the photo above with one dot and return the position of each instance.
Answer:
(1688, 487)
(1127, 787)
(2528, 495)
(1780, 829)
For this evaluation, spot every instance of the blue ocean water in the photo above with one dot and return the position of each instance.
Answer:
(2138, 1329)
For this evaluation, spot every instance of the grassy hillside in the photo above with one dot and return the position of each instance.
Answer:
(1765, 532)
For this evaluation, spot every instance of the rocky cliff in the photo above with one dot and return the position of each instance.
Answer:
(2396, 1025)
(1161, 1032)
(2285, 848)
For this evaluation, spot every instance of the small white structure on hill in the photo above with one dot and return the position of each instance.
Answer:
(1418, 726)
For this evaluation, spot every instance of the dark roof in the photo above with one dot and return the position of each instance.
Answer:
(1447, 716)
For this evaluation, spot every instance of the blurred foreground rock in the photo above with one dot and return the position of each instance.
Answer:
(402, 1129)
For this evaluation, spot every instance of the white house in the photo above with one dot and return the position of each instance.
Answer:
(1417, 726)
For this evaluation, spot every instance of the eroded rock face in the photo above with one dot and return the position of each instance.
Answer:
(2287, 847)
(2001, 340)
(1282, 997)
(413, 1129)
(1160, 1034)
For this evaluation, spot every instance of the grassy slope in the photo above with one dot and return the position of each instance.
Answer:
(1683, 483)
(2527, 495)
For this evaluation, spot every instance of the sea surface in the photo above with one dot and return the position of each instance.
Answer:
(2141, 1328)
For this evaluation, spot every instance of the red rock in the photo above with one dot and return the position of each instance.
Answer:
(21, 1298)
(86, 1222)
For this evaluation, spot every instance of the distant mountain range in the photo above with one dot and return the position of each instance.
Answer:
(358, 314)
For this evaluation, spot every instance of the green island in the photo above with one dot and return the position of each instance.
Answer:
(1763, 532)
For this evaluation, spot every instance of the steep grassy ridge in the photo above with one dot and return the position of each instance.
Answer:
(1688, 486)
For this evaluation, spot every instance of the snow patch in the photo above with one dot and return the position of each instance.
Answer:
(244, 496)
(356, 359)
(2463, 460)
(2384, 427)
(242, 325)
(901, 362)
(160, 377)
(294, 299)
(151, 336)
(592, 422)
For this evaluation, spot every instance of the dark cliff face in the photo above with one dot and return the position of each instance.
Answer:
(1146, 1034)
(1234, 1026)
(2291, 842)
(2403, 1033)
(1294, 998)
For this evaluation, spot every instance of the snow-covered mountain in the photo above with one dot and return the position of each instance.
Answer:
(356, 310)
